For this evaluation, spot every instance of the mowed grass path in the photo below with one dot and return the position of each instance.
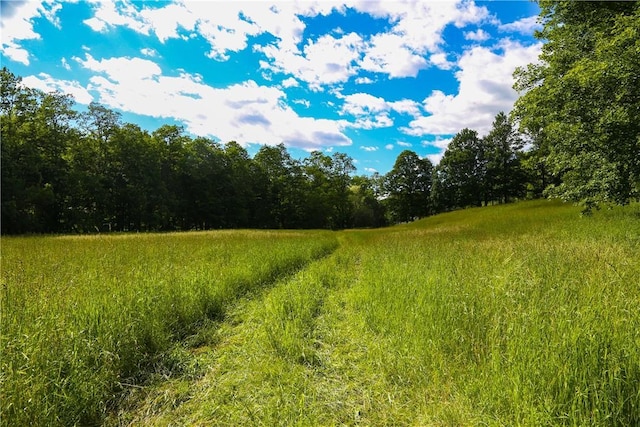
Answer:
(523, 314)
(86, 318)
(515, 315)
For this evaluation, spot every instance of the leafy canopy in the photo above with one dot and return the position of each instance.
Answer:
(581, 102)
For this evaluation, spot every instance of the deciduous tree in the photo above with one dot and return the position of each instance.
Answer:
(408, 187)
(582, 99)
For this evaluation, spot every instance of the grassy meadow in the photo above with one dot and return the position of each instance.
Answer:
(84, 318)
(525, 314)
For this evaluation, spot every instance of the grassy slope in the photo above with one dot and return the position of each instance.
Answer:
(524, 314)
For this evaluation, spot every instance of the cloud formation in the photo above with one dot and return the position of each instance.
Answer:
(247, 112)
(485, 78)
(523, 26)
(311, 74)
(17, 26)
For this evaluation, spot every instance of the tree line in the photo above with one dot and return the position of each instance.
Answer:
(66, 171)
(574, 134)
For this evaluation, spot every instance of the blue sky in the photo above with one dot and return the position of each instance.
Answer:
(367, 78)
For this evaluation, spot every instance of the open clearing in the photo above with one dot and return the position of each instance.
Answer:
(523, 314)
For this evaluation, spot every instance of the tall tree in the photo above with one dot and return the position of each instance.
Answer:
(134, 177)
(582, 99)
(204, 173)
(284, 197)
(340, 177)
(170, 141)
(238, 186)
(461, 173)
(504, 176)
(408, 187)
(328, 180)
(35, 130)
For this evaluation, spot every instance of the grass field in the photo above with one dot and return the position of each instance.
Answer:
(523, 314)
(84, 318)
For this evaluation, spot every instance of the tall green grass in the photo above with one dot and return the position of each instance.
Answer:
(85, 318)
(514, 315)
(525, 314)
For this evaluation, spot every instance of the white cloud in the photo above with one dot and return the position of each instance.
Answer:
(226, 26)
(477, 36)
(17, 25)
(226, 32)
(109, 14)
(439, 142)
(290, 82)
(363, 81)
(325, 61)
(421, 23)
(17, 22)
(50, 10)
(389, 146)
(381, 120)
(359, 104)
(149, 52)
(388, 53)
(246, 112)
(523, 26)
(304, 102)
(404, 144)
(405, 106)
(124, 70)
(167, 21)
(372, 112)
(485, 88)
(65, 64)
(368, 148)
(417, 30)
(15, 53)
(46, 83)
(440, 60)
(435, 158)
(470, 13)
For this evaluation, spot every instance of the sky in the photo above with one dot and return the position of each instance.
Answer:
(368, 78)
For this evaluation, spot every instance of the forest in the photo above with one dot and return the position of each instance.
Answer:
(65, 171)
(574, 134)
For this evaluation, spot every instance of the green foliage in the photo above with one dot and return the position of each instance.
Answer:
(35, 128)
(284, 198)
(368, 210)
(478, 171)
(408, 188)
(581, 101)
(68, 172)
(329, 179)
(505, 178)
(461, 172)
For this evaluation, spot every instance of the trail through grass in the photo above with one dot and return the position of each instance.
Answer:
(515, 315)
(86, 318)
(523, 314)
